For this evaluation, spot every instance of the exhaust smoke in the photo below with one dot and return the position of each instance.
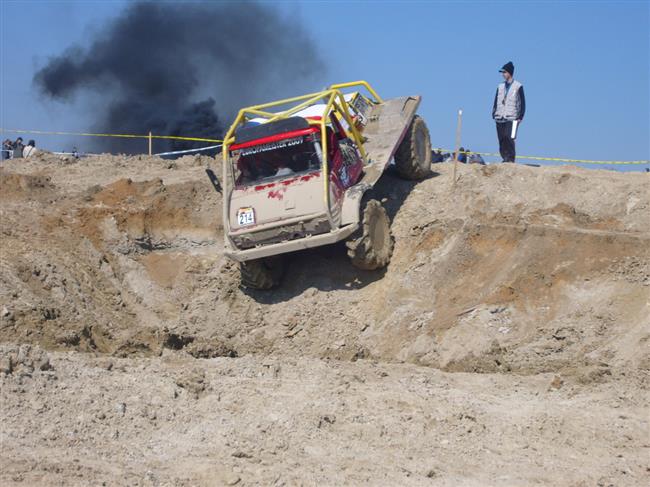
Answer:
(182, 69)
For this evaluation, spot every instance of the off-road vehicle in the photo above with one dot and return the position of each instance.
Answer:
(296, 173)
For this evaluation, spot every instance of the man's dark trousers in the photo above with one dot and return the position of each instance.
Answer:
(506, 143)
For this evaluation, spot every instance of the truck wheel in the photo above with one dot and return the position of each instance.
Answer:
(372, 244)
(413, 156)
(261, 273)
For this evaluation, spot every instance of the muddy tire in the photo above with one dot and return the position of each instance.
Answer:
(413, 156)
(371, 246)
(261, 273)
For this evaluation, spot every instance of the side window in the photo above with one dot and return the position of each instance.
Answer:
(349, 152)
(336, 125)
(332, 147)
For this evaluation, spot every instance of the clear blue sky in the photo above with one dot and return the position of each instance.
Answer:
(585, 65)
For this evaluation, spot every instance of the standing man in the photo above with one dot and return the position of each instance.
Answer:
(509, 106)
(30, 149)
(7, 149)
(18, 148)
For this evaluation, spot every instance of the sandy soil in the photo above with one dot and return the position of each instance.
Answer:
(505, 344)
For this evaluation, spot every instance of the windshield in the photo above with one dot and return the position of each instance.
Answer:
(279, 159)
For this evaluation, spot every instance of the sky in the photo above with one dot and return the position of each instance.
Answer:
(585, 66)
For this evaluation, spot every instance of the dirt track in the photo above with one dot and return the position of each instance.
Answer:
(506, 343)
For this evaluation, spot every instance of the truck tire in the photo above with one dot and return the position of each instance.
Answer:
(413, 156)
(371, 246)
(261, 273)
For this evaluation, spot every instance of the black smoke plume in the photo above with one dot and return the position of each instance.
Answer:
(182, 69)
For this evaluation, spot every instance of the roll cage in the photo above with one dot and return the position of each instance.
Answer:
(336, 108)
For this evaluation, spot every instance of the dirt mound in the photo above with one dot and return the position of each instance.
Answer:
(65, 262)
(149, 213)
(533, 276)
(513, 268)
(13, 186)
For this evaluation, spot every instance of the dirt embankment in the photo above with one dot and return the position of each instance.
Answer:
(513, 289)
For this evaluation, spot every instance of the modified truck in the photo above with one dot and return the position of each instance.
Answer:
(296, 175)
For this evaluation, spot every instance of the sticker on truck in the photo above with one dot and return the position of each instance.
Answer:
(281, 144)
(361, 108)
(246, 216)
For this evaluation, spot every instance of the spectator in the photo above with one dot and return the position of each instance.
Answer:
(7, 149)
(18, 148)
(30, 149)
(476, 159)
(436, 156)
(509, 107)
(462, 156)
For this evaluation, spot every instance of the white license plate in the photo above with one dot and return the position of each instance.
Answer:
(245, 216)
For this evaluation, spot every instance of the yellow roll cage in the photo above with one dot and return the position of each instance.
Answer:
(334, 102)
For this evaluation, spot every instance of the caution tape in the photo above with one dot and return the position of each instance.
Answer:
(200, 139)
(127, 136)
(557, 159)
(187, 151)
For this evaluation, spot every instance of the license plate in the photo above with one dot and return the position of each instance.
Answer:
(246, 216)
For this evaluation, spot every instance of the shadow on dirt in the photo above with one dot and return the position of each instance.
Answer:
(395, 189)
(325, 268)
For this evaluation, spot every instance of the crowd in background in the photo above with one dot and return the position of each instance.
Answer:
(18, 150)
(465, 156)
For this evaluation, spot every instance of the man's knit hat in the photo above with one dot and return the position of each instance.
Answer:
(509, 67)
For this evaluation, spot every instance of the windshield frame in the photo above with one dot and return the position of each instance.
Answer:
(274, 143)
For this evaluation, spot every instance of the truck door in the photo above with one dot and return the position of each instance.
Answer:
(346, 161)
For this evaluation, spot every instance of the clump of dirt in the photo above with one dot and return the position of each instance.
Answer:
(23, 360)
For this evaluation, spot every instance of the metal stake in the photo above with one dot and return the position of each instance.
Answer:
(458, 130)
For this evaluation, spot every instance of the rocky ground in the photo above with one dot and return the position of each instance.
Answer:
(505, 344)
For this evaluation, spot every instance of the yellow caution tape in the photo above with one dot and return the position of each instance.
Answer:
(129, 136)
(558, 159)
(199, 139)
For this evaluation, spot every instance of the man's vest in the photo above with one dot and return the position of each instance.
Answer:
(508, 105)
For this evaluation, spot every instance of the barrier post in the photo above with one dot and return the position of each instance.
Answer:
(150, 143)
(458, 130)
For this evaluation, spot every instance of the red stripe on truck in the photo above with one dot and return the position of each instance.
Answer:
(275, 138)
